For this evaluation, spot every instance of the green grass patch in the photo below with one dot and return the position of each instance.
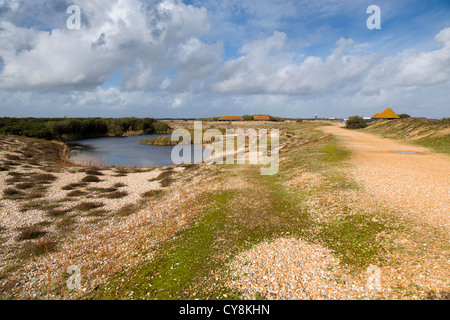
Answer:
(183, 267)
(437, 143)
(354, 238)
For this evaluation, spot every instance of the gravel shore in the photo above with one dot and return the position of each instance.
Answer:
(106, 240)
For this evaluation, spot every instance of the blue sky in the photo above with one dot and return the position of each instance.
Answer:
(199, 58)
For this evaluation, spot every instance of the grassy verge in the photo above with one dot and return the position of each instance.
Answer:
(432, 134)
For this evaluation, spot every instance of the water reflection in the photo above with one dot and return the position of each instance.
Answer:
(122, 151)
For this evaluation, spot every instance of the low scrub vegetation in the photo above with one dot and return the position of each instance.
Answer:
(78, 128)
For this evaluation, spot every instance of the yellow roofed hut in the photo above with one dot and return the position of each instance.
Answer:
(387, 114)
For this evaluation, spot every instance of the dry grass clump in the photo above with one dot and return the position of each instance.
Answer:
(166, 182)
(30, 233)
(37, 205)
(116, 195)
(127, 210)
(38, 248)
(162, 175)
(67, 224)
(93, 172)
(15, 174)
(15, 177)
(11, 163)
(72, 186)
(97, 213)
(119, 185)
(11, 193)
(88, 205)
(43, 178)
(76, 193)
(56, 213)
(34, 195)
(121, 172)
(151, 193)
(103, 190)
(90, 178)
(25, 185)
(12, 157)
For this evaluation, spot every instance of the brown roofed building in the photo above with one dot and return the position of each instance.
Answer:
(231, 118)
(261, 118)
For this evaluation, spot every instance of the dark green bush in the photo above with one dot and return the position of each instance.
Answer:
(356, 122)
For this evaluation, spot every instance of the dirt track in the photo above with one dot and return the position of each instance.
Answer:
(414, 185)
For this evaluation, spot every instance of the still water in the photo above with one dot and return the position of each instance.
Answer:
(122, 151)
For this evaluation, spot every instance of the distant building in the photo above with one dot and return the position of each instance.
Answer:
(231, 118)
(387, 114)
(261, 118)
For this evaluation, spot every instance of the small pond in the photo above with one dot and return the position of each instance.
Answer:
(122, 151)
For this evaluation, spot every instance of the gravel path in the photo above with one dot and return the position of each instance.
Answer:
(417, 185)
(414, 186)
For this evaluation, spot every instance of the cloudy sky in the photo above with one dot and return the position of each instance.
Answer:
(199, 58)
